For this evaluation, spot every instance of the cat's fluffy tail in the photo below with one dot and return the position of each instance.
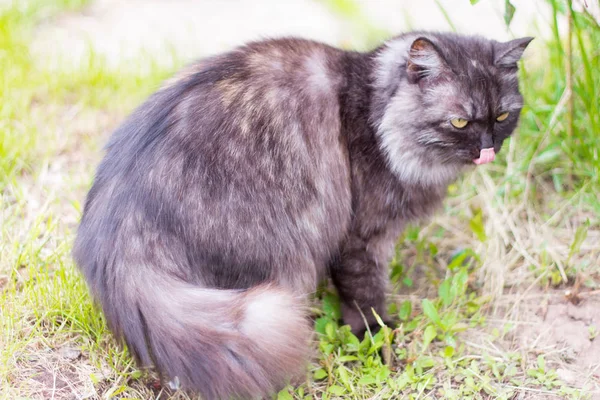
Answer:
(220, 343)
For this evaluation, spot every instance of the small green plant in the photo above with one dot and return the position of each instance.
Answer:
(593, 332)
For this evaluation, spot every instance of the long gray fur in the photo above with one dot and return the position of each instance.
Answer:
(231, 192)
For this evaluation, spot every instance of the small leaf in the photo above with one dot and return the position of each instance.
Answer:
(136, 374)
(509, 12)
(448, 351)
(343, 374)
(330, 330)
(445, 293)
(533, 373)
(382, 374)
(320, 325)
(477, 226)
(459, 283)
(337, 390)
(326, 348)
(433, 249)
(541, 363)
(367, 380)
(320, 374)
(352, 343)
(430, 311)
(331, 306)
(405, 310)
(284, 395)
(428, 336)
(458, 259)
(343, 359)
(425, 362)
(412, 233)
(473, 2)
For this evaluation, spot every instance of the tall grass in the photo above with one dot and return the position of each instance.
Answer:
(569, 162)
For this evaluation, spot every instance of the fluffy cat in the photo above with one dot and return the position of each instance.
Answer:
(231, 192)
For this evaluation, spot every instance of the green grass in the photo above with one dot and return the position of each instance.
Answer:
(512, 235)
(569, 162)
(52, 125)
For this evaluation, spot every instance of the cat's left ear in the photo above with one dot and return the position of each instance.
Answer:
(424, 61)
(509, 53)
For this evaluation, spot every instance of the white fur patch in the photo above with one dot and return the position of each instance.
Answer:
(262, 311)
(389, 60)
(513, 102)
(271, 314)
(407, 160)
(318, 74)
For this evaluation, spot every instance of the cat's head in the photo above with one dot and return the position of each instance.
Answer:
(455, 101)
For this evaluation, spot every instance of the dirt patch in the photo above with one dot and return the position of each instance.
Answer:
(62, 373)
(67, 373)
(568, 333)
(576, 328)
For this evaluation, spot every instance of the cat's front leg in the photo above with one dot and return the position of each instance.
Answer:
(361, 277)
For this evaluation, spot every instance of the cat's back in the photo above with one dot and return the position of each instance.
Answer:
(262, 120)
(268, 108)
(261, 100)
(241, 151)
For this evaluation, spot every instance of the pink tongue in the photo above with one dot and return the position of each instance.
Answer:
(485, 156)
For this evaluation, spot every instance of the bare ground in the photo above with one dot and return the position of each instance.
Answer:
(565, 325)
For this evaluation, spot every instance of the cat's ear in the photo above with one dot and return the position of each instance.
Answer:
(424, 61)
(509, 53)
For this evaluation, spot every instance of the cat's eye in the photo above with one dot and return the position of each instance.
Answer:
(502, 117)
(459, 122)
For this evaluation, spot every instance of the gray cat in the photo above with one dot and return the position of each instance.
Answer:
(227, 196)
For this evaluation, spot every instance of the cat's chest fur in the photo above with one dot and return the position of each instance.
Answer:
(381, 200)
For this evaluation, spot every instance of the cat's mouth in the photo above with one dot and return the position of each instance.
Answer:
(485, 156)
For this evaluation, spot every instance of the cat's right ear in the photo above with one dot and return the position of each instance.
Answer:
(424, 61)
(509, 53)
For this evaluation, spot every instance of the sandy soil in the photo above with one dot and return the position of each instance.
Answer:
(569, 326)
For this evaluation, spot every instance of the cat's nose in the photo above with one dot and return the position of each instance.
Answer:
(487, 141)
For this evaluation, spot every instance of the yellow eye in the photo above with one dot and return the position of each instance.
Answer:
(459, 122)
(502, 117)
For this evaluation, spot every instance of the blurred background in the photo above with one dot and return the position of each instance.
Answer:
(120, 30)
(497, 297)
